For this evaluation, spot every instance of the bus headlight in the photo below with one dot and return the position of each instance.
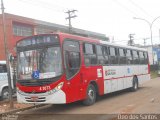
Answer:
(56, 89)
(19, 91)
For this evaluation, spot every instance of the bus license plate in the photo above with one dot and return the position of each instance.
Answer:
(34, 98)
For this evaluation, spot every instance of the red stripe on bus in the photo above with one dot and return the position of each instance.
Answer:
(125, 77)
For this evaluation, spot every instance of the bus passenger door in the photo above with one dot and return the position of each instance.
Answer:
(72, 68)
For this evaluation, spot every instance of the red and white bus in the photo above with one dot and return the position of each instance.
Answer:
(62, 68)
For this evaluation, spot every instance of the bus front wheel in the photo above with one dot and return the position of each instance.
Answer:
(5, 93)
(91, 95)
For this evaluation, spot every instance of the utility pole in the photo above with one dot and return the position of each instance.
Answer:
(131, 40)
(145, 41)
(71, 14)
(7, 56)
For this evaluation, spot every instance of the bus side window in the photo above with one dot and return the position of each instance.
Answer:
(72, 58)
(122, 56)
(89, 54)
(113, 55)
(129, 56)
(3, 68)
(145, 57)
(100, 56)
(135, 57)
(105, 54)
(141, 58)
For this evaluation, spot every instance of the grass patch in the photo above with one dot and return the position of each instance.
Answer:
(154, 74)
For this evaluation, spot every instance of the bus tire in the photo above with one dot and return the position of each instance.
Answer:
(91, 95)
(134, 84)
(5, 93)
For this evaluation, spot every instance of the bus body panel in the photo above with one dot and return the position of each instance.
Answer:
(72, 88)
(121, 77)
(93, 74)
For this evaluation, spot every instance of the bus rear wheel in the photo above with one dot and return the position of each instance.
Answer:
(91, 95)
(134, 84)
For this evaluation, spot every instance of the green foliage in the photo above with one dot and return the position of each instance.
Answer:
(154, 74)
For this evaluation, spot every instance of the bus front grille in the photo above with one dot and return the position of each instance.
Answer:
(35, 99)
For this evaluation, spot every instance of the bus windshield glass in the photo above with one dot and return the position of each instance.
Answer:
(39, 63)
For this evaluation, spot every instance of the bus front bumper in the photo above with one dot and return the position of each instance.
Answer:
(43, 98)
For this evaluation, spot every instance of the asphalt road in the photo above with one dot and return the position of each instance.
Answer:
(144, 101)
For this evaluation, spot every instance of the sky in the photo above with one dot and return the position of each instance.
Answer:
(114, 18)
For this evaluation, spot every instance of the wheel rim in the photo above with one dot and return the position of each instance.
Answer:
(135, 86)
(91, 94)
(6, 95)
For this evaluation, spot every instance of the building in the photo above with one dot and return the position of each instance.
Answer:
(18, 27)
(155, 54)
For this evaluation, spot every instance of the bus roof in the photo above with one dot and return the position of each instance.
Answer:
(105, 42)
(123, 46)
(89, 39)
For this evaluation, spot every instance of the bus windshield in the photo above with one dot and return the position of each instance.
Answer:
(40, 63)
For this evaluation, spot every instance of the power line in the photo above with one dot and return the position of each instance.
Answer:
(140, 8)
(45, 5)
(55, 5)
(126, 8)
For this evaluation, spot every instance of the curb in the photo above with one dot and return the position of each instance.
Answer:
(22, 109)
(6, 101)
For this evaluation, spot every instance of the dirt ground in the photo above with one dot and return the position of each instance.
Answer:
(5, 106)
(144, 101)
